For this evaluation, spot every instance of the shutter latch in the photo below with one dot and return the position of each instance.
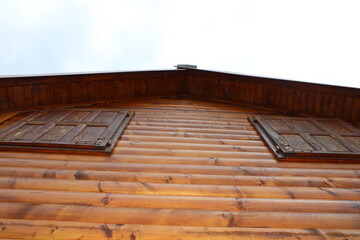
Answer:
(100, 140)
(287, 146)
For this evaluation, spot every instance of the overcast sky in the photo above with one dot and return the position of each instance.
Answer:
(305, 40)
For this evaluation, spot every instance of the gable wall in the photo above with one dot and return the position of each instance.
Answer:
(23, 92)
(290, 96)
(183, 169)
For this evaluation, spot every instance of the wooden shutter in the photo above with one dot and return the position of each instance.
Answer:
(308, 138)
(84, 130)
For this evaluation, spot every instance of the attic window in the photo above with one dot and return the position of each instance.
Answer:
(296, 138)
(67, 130)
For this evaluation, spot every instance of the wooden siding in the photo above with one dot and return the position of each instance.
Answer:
(290, 96)
(23, 92)
(184, 169)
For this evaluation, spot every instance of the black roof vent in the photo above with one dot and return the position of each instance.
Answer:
(186, 66)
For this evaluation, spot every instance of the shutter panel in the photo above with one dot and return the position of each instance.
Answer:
(308, 138)
(84, 130)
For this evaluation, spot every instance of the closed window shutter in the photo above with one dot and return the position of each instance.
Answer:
(308, 138)
(88, 130)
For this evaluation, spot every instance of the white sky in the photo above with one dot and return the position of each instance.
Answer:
(305, 40)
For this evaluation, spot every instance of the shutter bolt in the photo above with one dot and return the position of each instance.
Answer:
(99, 140)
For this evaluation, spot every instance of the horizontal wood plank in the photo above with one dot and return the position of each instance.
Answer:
(182, 164)
(178, 202)
(66, 230)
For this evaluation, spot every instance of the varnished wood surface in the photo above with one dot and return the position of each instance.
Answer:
(294, 97)
(67, 230)
(184, 169)
(290, 96)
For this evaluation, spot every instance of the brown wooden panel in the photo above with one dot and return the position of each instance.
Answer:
(60, 94)
(43, 96)
(56, 134)
(333, 102)
(303, 102)
(153, 86)
(349, 101)
(4, 100)
(254, 94)
(325, 104)
(105, 117)
(278, 124)
(354, 139)
(22, 132)
(284, 97)
(266, 96)
(287, 95)
(90, 134)
(132, 87)
(90, 130)
(330, 143)
(91, 90)
(311, 102)
(317, 103)
(84, 91)
(356, 109)
(241, 96)
(340, 106)
(306, 125)
(297, 102)
(28, 99)
(106, 90)
(337, 126)
(11, 98)
(291, 99)
(298, 141)
(278, 97)
(50, 94)
(271, 97)
(19, 95)
(140, 87)
(259, 94)
(247, 93)
(96, 91)
(49, 115)
(77, 116)
(297, 138)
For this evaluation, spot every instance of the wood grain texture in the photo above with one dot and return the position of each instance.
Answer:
(290, 96)
(67, 230)
(297, 138)
(176, 217)
(184, 169)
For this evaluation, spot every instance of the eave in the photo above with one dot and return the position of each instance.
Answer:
(27, 92)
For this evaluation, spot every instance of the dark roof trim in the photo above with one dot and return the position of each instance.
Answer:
(271, 81)
(80, 77)
(290, 96)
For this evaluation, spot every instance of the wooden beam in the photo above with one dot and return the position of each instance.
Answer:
(178, 202)
(180, 178)
(65, 230)
(175, 217)
(179, 168)
(181, 189)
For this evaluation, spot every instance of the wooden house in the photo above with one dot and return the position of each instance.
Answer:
(194, 154)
